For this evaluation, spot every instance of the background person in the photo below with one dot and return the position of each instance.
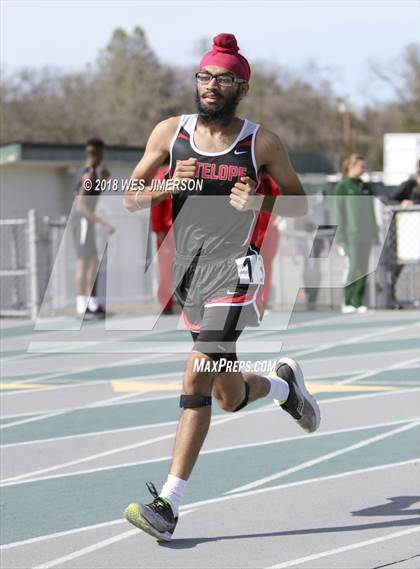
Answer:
(266, 235)
(84, 222)
(407, 194)
(161, 217)
(357, 229)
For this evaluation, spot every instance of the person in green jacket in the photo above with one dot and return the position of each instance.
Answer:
(357, 230)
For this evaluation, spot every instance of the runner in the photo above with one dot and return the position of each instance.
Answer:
(217, 272)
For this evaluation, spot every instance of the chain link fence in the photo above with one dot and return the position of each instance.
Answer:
(38, 258)
(19, 291)
(400, 266)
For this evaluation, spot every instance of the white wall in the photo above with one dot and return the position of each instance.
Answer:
(25, 187)
(48, 188)
(401, 155)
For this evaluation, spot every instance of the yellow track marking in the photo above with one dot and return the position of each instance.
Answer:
(11, 385)
(121, 386)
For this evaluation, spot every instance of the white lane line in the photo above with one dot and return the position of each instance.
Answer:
(343, 549)
(323, 458)
(251, 335)
(354, 319)
(83, 383)
(88, 549)
(349, 380)
(96, 546)
(100, 403)
(316, 321)
(154, 356)
(21, 478)
(354, 339)
(93, 434)
(370, 373)
(125, 361)
(108, 404)
(32, 476)
(367, 395)
(60, 347)
(264, 409)
(178, 375)
(210, 501)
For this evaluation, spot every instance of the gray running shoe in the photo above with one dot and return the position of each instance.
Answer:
(300, 404)
(156, 518)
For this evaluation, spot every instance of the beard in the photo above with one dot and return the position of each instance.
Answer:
(222, 115)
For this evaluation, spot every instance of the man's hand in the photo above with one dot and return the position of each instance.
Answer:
(407, 203)
(91, 161)
(105, 174)
(241, 194)
(185, 169)
(110, 229)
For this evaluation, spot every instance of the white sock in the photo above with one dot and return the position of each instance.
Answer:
(81, 303)
(93, 303)
(173, 490)
(279, 388)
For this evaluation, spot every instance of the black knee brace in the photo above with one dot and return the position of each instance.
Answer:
(194, 401)
(245, 401)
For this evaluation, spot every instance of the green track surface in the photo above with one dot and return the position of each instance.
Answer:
(58, 504)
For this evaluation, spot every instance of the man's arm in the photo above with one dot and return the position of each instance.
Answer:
(83, 198)
(404, 191)
(155, 154)
(271, 154)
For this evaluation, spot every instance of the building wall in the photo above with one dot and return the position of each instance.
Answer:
(48, 188)
(26, 186)
(401, 156)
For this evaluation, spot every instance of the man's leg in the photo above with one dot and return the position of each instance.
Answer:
(80, 282)
(159, 518)
(91, 285)
(194, 421)
(230, 391)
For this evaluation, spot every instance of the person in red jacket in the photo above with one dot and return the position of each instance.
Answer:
(266, 235)
(161, 224)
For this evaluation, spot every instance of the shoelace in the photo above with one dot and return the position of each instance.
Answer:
(158, 503)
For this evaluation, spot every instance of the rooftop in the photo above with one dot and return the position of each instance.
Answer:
(68, 154)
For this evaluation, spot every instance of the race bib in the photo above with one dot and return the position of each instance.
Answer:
(250, 269)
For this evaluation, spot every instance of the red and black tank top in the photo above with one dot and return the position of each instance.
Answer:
(204, 220)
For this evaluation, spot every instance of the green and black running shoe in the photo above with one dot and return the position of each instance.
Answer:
(300, 404)
(156, 519)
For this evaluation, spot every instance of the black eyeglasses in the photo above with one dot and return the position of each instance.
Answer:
(223, 79)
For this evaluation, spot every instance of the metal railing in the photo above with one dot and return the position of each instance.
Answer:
(18, 268)
(38, 256)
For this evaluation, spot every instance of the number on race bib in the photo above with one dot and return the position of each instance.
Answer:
(250, 270)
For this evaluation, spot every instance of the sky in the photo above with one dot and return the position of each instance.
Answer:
(340, 35)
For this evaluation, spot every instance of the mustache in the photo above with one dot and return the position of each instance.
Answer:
(221, 115)
(214, 93)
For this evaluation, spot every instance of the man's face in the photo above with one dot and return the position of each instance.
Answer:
(94, 155)
(217, 102)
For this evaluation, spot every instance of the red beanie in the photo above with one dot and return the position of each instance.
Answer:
(225, 53)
